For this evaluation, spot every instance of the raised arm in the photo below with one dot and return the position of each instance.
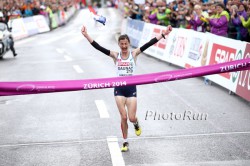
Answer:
(245, 24)
(139, 50)
(96, 45)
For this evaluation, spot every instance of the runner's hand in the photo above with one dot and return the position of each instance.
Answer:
(167, 31)
(84, 31)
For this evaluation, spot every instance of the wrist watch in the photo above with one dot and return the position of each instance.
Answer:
(163, 36)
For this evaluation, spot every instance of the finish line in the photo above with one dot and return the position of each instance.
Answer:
(37, 87)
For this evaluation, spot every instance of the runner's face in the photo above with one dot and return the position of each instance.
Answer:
(124, 45)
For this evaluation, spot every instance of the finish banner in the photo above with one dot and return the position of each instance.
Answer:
(36, 87)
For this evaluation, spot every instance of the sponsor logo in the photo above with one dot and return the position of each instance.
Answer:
(220, 54)
(178, 47)
(195, 50)
(35, 88)
(243, 85)
(171, 77)
(124, 63)
(26, 88)
(229, 68)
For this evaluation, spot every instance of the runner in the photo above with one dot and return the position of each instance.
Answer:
(125, 61)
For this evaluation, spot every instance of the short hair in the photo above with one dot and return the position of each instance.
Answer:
(122, 37)
(235, 7)
(244, 6)
(221, 5)
(197, 7)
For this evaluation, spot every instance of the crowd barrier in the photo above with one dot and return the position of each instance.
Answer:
(187, 49)
(28, 26)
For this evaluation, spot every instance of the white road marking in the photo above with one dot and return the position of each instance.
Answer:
(115, 152)
(67, 58)
(102, 109)
(78, 69)
(60, 51)
(216, 162)
(191, 135)
(66, 52)
(51, 143)
(102, 140)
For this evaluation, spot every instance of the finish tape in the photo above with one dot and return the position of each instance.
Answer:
(37, 87)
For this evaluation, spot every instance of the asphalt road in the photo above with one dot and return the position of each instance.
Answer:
(183, 122)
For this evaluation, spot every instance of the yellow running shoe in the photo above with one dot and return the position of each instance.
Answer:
(137, 128)
(124, 147)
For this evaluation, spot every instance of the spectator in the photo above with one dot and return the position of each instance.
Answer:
(246, 23)
(241, 30)
(36, 8)
(133, 9)
(195, 20)
(137, 10)
(16, 12)
(212, 11)
(205, 7)
(152, 17)
(228, 5)
(219, 25)
(232, 31)
(42, 11)
(28, 10)
(163, 14)
(15, 6)
(127, 12)
(190, 7)
(150, 2)
(182, 12)
(146, 14)
(173, 15)
(244, 2)
(50, 14)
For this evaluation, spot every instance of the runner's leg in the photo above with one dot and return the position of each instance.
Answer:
(131, 104)
(120, 102)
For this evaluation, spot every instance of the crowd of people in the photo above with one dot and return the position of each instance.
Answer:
(12, 9)
(228, 18)
(26, 8)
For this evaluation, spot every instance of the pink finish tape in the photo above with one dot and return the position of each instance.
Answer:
(36, 87)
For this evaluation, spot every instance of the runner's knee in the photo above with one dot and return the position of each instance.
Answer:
(132, 119)
(124, 117)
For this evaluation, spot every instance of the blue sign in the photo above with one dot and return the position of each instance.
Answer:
(134, 31)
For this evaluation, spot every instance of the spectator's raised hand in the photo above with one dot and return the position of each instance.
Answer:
(242, 18)
(204, 19)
